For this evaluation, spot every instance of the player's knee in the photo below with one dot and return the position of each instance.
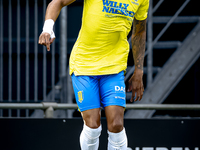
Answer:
(116, 126)
(92, 118)
(93, 124)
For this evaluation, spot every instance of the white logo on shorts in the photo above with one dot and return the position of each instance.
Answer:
(119, 89)
(120, 97)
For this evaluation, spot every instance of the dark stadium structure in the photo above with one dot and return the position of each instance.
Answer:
(182, 17)
(31, 75)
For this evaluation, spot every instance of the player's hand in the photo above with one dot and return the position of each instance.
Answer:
(45, 40)
(136, 85)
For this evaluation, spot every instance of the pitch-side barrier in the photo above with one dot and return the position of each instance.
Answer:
(50, 107)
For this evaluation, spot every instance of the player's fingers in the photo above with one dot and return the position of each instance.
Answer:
(138, 91)
(42, 40)
(47, 42)
(142, 91)
(129, 87)
(133, 95)
(141, 94)
(39, 40)
(137, 96)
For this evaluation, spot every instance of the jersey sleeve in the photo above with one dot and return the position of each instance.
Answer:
(142, 11)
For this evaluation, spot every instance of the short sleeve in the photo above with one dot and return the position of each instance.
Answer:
(142, 11)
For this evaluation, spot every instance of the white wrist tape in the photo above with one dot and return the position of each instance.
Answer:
(48, 27)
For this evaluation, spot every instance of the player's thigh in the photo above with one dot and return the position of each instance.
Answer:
(86, 90)
(92, 117)
(115, 118)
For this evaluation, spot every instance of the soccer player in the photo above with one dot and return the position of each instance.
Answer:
(98, 62)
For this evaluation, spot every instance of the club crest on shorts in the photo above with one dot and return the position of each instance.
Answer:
(80, 96)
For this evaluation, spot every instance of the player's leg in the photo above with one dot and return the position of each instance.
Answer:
(89, 138)
(112, 91)
(115, 118)
(116, 131)
(86, 91)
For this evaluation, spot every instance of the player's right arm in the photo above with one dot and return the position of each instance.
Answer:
(52, 12)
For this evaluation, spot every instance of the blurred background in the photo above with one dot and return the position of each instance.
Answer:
(30, 74)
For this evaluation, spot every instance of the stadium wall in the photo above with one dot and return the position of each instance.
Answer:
(63, 134)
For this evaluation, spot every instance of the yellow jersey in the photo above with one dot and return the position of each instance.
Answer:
(102, 47)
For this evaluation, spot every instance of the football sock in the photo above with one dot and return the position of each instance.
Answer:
(89, 138)
(117, 141)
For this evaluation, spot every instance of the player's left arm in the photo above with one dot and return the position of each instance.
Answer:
(138, 48)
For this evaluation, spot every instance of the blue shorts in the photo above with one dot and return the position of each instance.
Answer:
(99, 91)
